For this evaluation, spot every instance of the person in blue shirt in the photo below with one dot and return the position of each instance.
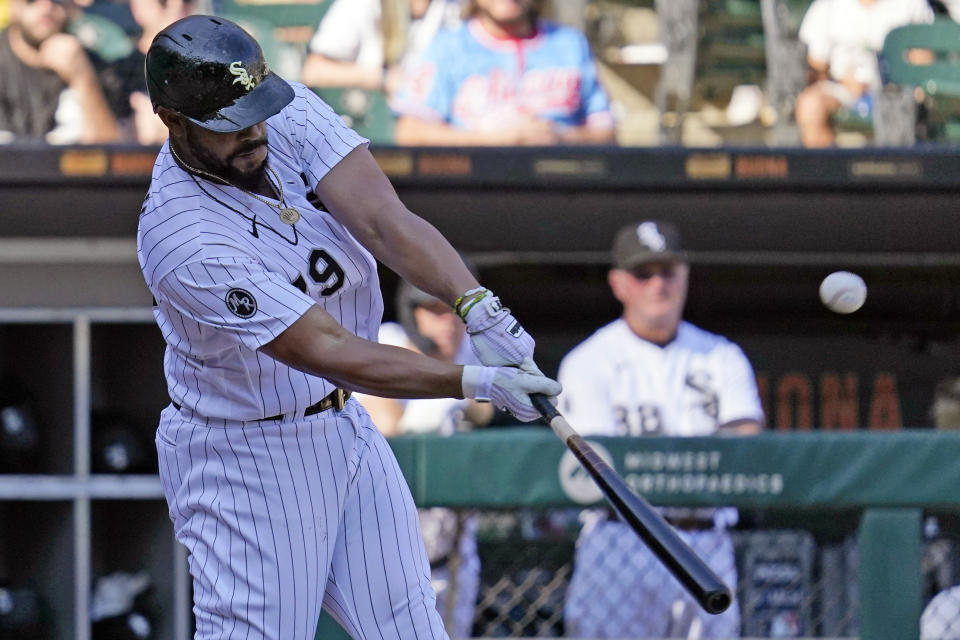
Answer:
(505, 77)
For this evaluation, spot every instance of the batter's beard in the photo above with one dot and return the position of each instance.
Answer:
(249, 180)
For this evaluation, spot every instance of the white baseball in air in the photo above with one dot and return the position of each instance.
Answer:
(843, 292)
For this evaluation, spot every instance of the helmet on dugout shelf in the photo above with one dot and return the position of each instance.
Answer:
(212, 72)
(410, 297)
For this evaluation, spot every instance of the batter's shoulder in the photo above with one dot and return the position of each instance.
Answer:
(179, 224)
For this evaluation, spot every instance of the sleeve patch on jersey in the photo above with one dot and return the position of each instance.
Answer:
(241, 303)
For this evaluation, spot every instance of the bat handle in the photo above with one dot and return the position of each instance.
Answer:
(552, 417)
(542, 404)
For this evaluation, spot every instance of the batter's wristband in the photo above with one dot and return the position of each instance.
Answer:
(462, 312)
(477, 381)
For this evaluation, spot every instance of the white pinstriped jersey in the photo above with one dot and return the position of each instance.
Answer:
(229, 276)
(617, 384)
(282, 513)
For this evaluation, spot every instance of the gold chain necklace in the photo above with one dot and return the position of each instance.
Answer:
(288, 215)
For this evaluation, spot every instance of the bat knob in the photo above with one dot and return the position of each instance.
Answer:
(718, 602)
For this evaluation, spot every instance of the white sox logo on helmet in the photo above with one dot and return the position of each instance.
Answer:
(244, 78)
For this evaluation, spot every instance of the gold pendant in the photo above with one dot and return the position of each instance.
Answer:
(289, 215)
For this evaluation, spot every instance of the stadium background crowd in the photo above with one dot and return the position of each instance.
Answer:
(709, 73)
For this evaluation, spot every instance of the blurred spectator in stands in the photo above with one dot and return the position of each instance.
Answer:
(50, 89)
(650, 373)
(123, 80)
(365, 44)
(430, 326)
(843, 38)
(505, 77)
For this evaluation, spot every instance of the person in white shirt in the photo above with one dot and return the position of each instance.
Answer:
(843, 38)
(365, 44)
(652, 373)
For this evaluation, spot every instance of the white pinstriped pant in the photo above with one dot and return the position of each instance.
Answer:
(283, 518)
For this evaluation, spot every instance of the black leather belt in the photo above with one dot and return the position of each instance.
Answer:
(335, 400)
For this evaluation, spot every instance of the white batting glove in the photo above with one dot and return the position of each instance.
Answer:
(497, 339)
(508, 388)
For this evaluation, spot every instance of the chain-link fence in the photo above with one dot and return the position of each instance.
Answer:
(567, 573)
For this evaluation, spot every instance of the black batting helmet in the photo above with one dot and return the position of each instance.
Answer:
(212, 72)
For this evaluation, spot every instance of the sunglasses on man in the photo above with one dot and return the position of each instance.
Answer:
(665, 270)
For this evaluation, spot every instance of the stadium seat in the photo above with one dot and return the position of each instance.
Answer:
(939, 80)
(730, 51)
(712, 46)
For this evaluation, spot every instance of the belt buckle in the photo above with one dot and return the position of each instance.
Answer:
(339, 399)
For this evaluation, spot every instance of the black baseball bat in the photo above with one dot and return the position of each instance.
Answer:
(676, 555)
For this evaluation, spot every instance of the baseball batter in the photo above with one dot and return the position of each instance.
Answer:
(651, 373)
(258, 240)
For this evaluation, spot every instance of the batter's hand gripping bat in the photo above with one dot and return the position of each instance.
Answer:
(675, 554)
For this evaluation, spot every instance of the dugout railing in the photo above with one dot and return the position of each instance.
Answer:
(874, 498)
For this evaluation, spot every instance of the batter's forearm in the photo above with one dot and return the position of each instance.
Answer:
(417, 251)
(390, 372)
(318, 345)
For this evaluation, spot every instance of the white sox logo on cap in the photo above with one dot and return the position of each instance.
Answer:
(241, 303)
(649, 235)
(244, 78)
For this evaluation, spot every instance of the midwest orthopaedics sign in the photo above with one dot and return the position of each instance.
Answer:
(707, 483)
(530, 467)
(668, 473)
(693, 472)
